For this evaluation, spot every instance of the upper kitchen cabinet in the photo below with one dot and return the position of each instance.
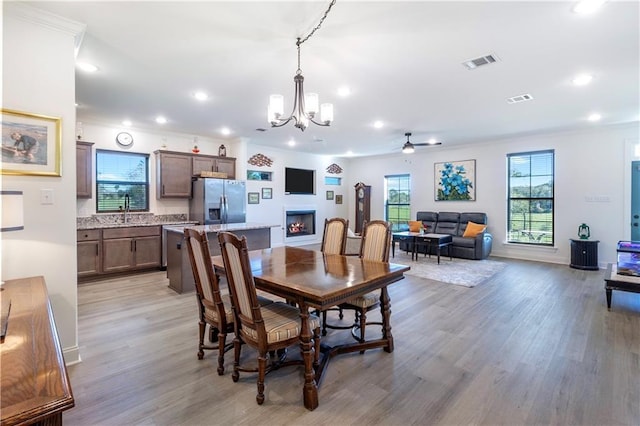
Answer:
(204, 163)
(173, 175)
(84, 177)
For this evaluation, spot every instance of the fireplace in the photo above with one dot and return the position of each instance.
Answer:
(300, 223)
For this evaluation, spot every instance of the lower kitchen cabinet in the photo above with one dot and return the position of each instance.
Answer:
(119, 250)
(89, 252)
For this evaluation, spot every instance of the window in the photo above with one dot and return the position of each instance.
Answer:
(397, 201)
(531, 176)
(119, 174)
(258, 175)
(332, 180)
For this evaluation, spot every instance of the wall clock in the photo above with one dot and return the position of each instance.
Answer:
(363, 206)
(124, 138)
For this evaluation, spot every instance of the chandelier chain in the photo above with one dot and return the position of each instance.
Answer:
(317, 27)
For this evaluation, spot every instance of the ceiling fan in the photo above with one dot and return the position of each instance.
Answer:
(409, 148)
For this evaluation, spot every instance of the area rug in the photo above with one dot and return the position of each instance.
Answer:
(468, 273)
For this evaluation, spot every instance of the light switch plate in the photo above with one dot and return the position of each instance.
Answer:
(46, 196)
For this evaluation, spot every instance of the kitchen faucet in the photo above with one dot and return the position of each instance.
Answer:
(127, 208)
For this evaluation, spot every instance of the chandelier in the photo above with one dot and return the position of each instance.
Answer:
(305, 106)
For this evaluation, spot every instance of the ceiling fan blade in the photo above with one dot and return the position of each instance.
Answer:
(427, 144)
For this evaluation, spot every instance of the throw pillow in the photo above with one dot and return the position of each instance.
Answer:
(473, 229)
(415, 225)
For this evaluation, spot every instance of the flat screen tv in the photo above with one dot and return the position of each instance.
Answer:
(299, 181)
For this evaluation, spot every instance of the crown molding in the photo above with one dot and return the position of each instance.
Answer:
(47, 20)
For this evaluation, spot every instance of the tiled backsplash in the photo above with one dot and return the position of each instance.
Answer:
(132, 219)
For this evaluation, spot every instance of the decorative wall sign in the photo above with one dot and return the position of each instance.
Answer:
(267, 193)
(329, 195)
(260, 160)
(455, 181)
(31, 144)
(338, 199)
(334, 169)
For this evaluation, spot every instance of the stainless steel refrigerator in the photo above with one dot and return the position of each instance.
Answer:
(216, 201)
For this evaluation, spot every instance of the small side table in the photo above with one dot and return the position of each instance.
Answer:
(614, 281)
(584, 254)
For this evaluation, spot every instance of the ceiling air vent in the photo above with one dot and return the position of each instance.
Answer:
(478, 62)
(520, 98)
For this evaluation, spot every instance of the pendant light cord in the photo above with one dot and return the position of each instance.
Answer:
(317, 27)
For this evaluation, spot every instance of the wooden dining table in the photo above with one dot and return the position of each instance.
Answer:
(314, 280)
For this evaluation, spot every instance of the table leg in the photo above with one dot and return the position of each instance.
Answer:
(385, 309)
(310, 389)
(608, 290)
(438, 251)
(393, 248)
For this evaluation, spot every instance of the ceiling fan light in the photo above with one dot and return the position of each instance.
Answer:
(326, 113)
(408, 148)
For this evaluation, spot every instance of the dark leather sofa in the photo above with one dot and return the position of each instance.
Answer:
(454, 223)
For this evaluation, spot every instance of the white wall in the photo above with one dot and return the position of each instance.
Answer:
(588, 164)
(38, 77)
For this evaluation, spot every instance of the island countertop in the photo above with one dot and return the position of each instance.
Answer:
(228, 227)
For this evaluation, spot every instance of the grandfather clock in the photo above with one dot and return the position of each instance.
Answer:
(363, 205)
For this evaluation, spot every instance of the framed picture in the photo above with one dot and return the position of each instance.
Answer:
(338, 199)
(455, 181)
(31, 144)
(267, 193)
(253, 197)
(329, 195)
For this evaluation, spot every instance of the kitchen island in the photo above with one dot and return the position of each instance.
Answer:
(178, 265)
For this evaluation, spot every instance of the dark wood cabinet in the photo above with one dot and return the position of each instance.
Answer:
(203, 163)
(89, 252)
(114, 250)
(132, 248)
(173, 175)
(584, 254)
(84, 176)
(175, 169)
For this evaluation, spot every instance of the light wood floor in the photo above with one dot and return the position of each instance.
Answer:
(534, 345)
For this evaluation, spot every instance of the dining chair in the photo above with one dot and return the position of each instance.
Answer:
(268, 329)
(334, 237)
(376, 243)
(214, 308)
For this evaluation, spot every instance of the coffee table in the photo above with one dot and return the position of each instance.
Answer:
(432, 240)
(615, 281)
(403, 236)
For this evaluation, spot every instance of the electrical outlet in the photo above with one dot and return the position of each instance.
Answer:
(46, 196)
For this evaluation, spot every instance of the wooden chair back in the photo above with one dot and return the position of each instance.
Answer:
(376, 241)
(207, 286)
(334, 238)
(241, 285)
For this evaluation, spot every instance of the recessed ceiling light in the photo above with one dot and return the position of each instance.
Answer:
(344, 91)
(588, 6)
(291, 143)
(225, 131)
(127, 123)
(161, 120)
(349, 153)
(200, 95)
(582, 79)
(84, 66)
(378, 124)
(594, 117)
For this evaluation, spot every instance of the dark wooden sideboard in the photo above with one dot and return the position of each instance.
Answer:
(35, 387)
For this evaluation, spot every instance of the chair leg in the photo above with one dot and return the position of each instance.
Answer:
(222, 340)
(340, 314)
(316, 348)
(324, 323)
(201, 330)
(363, 324)
(236, 358)
(262, 367)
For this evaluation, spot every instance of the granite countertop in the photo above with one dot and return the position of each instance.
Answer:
(222, 227)
(115, 220)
